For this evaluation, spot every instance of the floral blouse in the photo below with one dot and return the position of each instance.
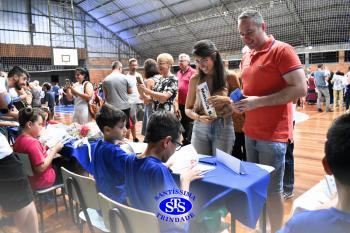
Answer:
(168, 84)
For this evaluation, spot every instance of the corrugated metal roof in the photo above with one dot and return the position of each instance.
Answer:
(174, 25)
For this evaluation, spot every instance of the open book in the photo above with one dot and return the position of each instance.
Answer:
(181, 160)
(54, 134)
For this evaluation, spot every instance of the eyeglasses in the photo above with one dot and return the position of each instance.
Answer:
(203, 61)
(178, 145)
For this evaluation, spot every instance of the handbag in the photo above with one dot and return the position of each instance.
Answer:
(95, 104)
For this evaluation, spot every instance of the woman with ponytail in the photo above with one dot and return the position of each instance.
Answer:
(210, 132)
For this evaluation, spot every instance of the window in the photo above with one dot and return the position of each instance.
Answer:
(302, 58)
(234, 64)
(347, 56)
(325, 57)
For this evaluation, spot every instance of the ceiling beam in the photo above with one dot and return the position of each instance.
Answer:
(143, 13)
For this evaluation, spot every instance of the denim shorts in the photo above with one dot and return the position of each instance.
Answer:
(268, 153)
(207, 137)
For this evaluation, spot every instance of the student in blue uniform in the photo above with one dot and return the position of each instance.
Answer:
(108, 158)
(147, 175)
(336, 162)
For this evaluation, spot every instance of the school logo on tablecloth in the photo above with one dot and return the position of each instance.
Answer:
(175, 205)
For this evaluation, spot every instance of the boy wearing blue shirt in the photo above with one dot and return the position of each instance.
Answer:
(108, 158)
(336, 162)
(146, 176)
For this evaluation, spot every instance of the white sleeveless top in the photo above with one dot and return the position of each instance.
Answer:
(81, 113)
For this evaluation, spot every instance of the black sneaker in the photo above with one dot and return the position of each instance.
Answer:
(135, 140)
(288, 195)
(319, 110)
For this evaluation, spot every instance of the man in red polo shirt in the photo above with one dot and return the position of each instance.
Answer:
(272, 77)
(184, 75)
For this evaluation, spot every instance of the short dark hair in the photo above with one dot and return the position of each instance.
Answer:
(29, 114)
(19, 71)
(116, 64)
(337, 149)
(84, 72)
(162, 124)
(109, 116)
(47, 86)
(150, 67)
(319, 65)
(339, 73)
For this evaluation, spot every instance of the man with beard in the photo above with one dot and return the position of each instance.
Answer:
(16, 196)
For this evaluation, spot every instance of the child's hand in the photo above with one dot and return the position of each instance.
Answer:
(58, 146)
(191, 174)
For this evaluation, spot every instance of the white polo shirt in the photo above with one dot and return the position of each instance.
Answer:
(5, 148)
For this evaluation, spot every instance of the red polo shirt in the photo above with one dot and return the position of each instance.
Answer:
(262, 73)
(183, 81)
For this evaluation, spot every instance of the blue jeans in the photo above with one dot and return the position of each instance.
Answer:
(288, 178)
(268, 153)
(207, 137)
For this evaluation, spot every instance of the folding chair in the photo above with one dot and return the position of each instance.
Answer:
(121, 218)
(40, 193)
(82, 190)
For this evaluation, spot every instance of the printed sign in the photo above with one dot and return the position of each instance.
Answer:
(205, 94)
(175, 205)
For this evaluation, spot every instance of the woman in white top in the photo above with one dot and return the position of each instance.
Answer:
(82, 91)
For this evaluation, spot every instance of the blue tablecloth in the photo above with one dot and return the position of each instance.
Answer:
(80, 154)
(243, 195)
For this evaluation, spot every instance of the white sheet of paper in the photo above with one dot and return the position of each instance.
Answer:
(181, 160)
(204, 168)
(53, 134)
(230, 161)
(267, 168)
(331, 187)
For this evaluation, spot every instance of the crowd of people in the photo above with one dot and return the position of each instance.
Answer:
(257, 128)
(330, 87)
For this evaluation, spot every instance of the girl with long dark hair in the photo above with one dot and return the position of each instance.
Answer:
(209, 132)
(81, 91)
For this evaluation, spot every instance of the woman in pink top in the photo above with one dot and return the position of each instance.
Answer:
(31, 122)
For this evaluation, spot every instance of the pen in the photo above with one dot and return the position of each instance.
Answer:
(206, 162)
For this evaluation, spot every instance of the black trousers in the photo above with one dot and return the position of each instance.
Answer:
(187, 123)
(238, 149)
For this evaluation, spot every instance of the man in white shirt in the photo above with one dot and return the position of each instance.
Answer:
(136, 104)
(16, 196)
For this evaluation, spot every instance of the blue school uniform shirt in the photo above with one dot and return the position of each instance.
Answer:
(144, 179)
(108, 164)
(319, 221)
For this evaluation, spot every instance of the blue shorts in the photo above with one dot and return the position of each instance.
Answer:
(268, 153)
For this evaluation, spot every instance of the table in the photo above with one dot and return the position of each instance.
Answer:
(243, 195)
(81, 154)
